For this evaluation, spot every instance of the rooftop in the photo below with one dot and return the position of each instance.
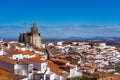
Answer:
(6, 59)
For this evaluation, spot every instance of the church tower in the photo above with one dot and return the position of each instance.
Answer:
(36, 37)
(34, 29)
(33, 38)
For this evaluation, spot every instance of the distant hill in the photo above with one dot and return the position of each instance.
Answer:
(95, 38)
(112, 41)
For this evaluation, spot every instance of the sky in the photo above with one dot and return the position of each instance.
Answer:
(60, 18)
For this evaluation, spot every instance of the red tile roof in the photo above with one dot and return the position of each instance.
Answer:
(5, 75)
(55, 69)
(37, 60)
(25, 62)
(6, 59)
(59, 60)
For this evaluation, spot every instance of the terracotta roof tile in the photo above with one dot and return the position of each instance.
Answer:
(5, 75)
(59, 60)
(6, 59)
(25, 62)
(37, 60)
(91, 66)
(55, 69)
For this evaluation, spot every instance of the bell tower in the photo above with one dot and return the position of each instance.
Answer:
(34, 29)
(35, 36)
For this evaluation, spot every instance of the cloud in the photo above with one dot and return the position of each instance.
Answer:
(65, 31)
(11, 31)
(82, 31)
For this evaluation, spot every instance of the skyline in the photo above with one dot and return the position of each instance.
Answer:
(60, 19)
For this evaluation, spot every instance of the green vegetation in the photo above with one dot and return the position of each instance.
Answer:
(80, 78)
